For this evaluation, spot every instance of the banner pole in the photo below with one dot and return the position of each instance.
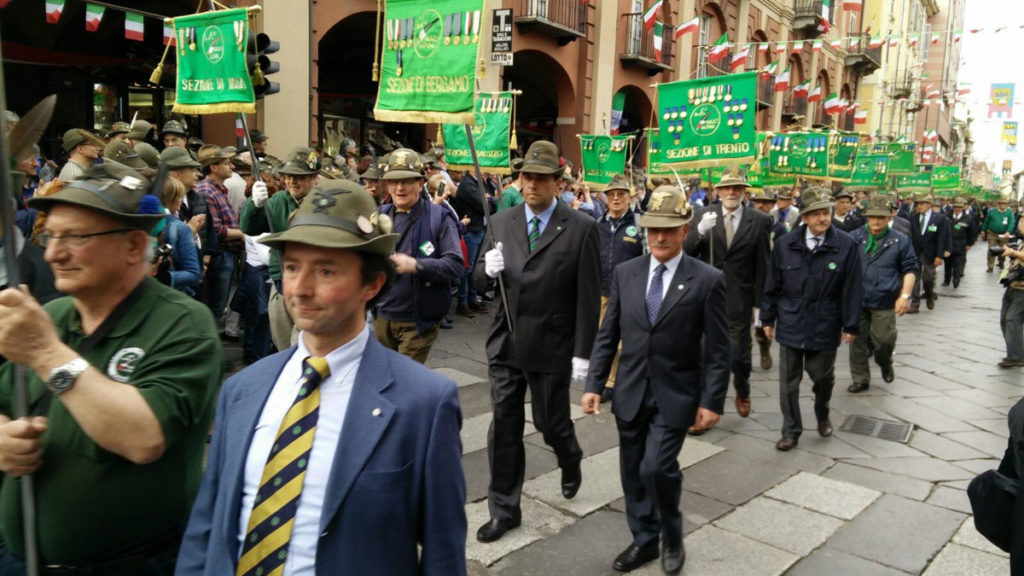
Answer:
(487, 219)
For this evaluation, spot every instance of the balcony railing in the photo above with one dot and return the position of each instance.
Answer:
(564, 20)
(861, 57)
(796, 107)
(765, 91)
(638, 45)
(807, 16)
(708, 69)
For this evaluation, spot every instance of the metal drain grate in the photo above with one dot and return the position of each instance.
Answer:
(877, 428)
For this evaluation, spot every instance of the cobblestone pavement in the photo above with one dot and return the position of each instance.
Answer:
(849, 504)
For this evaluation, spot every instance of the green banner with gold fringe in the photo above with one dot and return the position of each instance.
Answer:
(212, 74)
(429, 61)
(491, 124)
(603, 157)
(901, 156)
(842, 153)
(708, 122)
(869, 171)
(919, 181)
(946, 181)
(799, 154)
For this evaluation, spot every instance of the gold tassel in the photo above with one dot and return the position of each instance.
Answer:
(158, 72)
(257, 76)
(513, 142)
(440, 134)
(483, 69)
(374, 74)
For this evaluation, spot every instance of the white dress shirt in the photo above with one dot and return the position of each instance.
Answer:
(666, 276)
(335, 393)
(737, 214)
(809, 240)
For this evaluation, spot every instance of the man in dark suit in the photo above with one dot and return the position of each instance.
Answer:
(932, 243)
(735, 240)
(337, 453)
(963, 232)
(548, 257)
(844, 217)
(669, 310)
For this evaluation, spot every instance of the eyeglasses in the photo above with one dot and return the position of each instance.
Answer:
(76, 240)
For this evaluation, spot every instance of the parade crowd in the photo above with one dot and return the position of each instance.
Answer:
(333, 449)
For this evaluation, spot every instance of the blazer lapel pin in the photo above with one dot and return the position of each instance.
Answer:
(376, 412)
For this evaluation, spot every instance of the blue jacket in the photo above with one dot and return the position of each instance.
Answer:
(813, 297)
(186, 273)
(885, 268)
(620, 241)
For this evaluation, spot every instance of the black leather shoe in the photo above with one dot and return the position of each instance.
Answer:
(786, 443)
(635, 556)
(607, 394)
(572, 479)
(672, 559)
(495, 529)
(888, 374)
(857, 387)
(825, 428)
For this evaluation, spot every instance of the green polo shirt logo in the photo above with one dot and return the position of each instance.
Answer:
(831, 265)
(123, 363)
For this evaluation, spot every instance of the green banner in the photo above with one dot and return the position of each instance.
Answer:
(946, 180)
(919, 181)
(901, 156)
(603, 157)
(212, 75)
(869, 171)
(655, 168)
(974, 191)
(842, 152)
(491, 124)
(708, 122)
(799, 154)
(428, 66)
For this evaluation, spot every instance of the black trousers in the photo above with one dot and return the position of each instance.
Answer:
(739, 338)
(820, 366)
(651, 479)
(549, 396)
(954, 268)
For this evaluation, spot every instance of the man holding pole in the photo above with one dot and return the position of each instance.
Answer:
(121, 380)
(547, 256)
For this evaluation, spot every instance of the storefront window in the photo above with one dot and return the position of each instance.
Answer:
(104, 104)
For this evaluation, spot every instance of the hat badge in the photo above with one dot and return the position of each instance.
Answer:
(364, 224)
(321, 204)
(311, 160)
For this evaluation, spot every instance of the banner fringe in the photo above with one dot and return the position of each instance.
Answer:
(222, 107)
(422, 116)
(503, 170)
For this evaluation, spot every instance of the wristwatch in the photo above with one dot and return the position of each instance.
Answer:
(62, 378)
(906, 296)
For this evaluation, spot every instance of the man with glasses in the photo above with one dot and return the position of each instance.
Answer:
(262, 213)
(121, 382)
(83, 148)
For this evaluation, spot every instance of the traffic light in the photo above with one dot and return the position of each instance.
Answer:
(260, 65)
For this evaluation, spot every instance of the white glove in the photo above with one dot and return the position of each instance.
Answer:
(757, 317)
(580, 367)
(494, 261)
(707, 222)
(259, 194)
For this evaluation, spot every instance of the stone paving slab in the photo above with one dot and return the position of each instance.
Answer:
(881, 481)
(987, 442)
(898, 532)
(601, 485)
(920, 416)
(979, 465)
(984, 398)
(996, 426)
(781, 525)
(840, 499)
(834, 447)
(765, 450)
(695, 451)
(928, 469)
(474, 432)
(735, 478)
(942, 448)
(588, 546)
(957, 408)
(697, 510)
(712, 551)
(460, 378)
(969, 536)
(539, 521)
(478, 474)
(951, 498)
(876, 447)
(957, 560)
(595, 434)
(828, 561)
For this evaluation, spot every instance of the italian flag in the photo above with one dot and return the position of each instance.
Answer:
(798, 46)
(739, 59)
(800, 90)
(956, 36)
(133, 26)
(833, 104)
(852, 5)
(782, 81)
(913, 40)
(763, 48)
(770, 69)
(651, 14)
(719, 49)
(239, 130)
(780, 48)
(687, 27)
(964, 89)
(815, 95)
(836, 44)
(861, 117)
(853, 43)
(933, 94)
(93, 16)
(816, 46)
(876, 42)
(168, 34)
(931, 135)
(935, 38)
(659, 30)
(53, 10)
(826, 15)
(893, 41)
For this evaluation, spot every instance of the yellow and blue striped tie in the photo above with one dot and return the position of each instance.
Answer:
(268, 534)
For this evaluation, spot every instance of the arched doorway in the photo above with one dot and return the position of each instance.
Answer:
(821, 119)
(636, 115)
(712, 26)
(346, 91)
(547, 95)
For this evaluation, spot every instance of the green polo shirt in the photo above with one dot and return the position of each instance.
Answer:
(91, 502)
(509, 197)
(998, 221)
(253, 222)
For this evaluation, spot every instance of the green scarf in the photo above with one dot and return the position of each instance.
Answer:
(873, 240)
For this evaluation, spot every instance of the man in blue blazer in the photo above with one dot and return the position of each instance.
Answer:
(378, 488)
(669, 310)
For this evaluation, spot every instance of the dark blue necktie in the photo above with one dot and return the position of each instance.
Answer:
(654, 294)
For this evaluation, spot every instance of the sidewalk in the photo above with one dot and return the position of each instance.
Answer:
(849, 504)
